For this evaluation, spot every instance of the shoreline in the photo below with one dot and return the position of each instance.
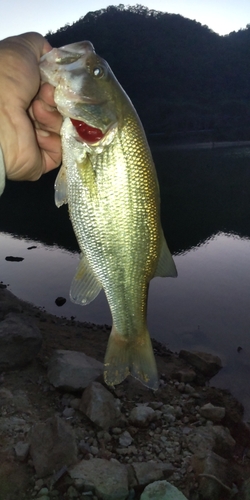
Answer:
(197, 145)
(184, 393)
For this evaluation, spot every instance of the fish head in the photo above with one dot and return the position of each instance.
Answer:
(86, 88)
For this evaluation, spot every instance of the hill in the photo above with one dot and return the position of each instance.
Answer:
(181, 76)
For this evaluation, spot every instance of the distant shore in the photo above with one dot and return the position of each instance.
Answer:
(197, 145)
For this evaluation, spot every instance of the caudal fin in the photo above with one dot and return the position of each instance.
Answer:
(130, 356)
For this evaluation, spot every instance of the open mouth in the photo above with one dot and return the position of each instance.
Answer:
(86, 132)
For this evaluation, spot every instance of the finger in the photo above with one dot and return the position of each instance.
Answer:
(46, 93)
(45, 116)
(50, 146)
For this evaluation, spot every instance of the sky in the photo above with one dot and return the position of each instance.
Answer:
(19, 16)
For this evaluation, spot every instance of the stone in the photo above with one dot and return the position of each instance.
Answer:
(21, 450)
(20, 342)
(130, 450)
(211, 412)
(162, 490)
(125, 439)
(13, 425)
(245, 490)
(8, 303)
(212, 471)
(185, 375)
(206, 363)
(148, 472)
(224, 443)
(200, 440)
(108, 479)
(72, 493)
(141, 416)
(168, 413)
(52, 446)
(75, 403)
(100, 406)
(11, 258)
(43, 491)
(68, 412)
(213, 437)
(60, 301)
(72, 370)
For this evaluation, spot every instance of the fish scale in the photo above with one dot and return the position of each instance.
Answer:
(112, 192)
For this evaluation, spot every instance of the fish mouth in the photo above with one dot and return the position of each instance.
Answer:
(88, 134)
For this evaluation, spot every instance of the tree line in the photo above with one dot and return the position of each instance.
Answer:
(184, 79)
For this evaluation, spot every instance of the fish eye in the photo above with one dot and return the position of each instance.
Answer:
(98, 71)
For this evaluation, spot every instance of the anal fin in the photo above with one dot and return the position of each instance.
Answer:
(166, 266)
(84, 287)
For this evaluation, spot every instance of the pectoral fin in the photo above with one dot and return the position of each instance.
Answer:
(61, 191)
(166, 266)
(85, 287)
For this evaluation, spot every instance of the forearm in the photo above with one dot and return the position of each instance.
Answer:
(2, 172)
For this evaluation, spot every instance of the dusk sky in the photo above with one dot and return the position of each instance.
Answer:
(18, 16)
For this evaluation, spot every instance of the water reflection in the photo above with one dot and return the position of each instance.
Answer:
(44, 274)
(206, 307)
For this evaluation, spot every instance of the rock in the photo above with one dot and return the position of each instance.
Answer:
(72, 370)
(75, 403)
(207, 364)
(68, 412)
(213, 474)
(200, 440)
(60, 301)
(147, 472)
(52, 446)
(13, 425)
(100, 406)
(216, 438)
(211, 412)
(162, 490)
(224, 443)
(21, 450)
(20, 342)
(245, 490)
(43, 491)
(108, 479)
(125, 439)
(168, 413)
(141, 416)
(185, 375)
(130, 450)
(10, 258)
(72, 493)
(8, 303)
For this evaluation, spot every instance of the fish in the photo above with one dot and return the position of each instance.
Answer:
(109, 181)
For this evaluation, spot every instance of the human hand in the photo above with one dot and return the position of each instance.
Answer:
(29, 121)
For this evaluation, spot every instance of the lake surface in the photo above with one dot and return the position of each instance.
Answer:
(206, 219)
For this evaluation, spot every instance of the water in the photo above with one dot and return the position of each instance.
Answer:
(206, 219)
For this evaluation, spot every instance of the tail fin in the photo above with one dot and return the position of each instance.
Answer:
(128, 356)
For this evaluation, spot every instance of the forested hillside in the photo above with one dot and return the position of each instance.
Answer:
(184, 79)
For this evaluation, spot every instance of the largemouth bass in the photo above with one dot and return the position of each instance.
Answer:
(109, 181)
